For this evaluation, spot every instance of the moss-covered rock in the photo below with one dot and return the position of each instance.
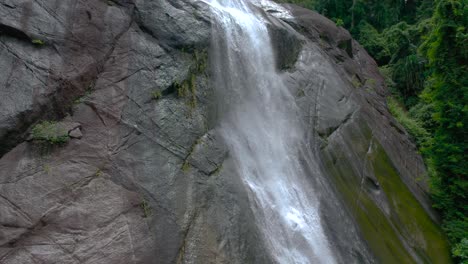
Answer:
(50, 132)
(392, 222)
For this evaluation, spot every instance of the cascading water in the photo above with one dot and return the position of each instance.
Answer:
(260, 124)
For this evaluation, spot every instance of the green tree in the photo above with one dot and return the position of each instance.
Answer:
(447, 90)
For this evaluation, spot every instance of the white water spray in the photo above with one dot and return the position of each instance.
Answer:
(260, 123)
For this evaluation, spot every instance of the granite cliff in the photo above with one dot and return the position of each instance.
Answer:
(130, 169)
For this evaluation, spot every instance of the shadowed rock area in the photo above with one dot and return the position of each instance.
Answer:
(142, 176)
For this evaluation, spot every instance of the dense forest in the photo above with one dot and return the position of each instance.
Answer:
(421, 47)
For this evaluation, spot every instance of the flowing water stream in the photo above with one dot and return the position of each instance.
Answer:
(259, 121)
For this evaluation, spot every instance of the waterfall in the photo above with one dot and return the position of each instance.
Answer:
(259, 121)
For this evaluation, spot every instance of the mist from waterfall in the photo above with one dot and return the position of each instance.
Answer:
(259, 121)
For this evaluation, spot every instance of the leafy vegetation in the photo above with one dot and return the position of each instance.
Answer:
(38, 42)
(412, 125)
(156, 95)
(50, 132)
(86, 95)
(446, 48)
(146, 209)
(422, 49)
(187, 87)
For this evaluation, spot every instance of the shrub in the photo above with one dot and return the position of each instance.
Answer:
(339, 22)
(50, 132)
(146, 209)
(38, 42)
(156, 95)
(461, 250)
(414, 128)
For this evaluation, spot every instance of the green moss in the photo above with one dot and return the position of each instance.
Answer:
(50, 132)
(300, 93)
(322, 42)
(407, 214)
(193, 99)
(201, 61)
(185, 166)
(407, 219)
(371, 84)
(47, 168)
(98, 173)
(187, 88)
(356, 82)
(156, 95)
(38, 42)
(180, 88)
(146, 209)
(375, 228)
(86, 95)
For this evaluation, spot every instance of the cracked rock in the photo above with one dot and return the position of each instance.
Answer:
(101, 63)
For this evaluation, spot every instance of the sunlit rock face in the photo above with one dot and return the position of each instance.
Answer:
(210, 132)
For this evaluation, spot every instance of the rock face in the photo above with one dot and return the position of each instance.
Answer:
(144, 179)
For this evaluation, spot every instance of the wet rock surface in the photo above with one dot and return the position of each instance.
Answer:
(368, 157)
(144, 178)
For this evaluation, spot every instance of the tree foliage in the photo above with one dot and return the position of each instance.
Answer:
(446, 48)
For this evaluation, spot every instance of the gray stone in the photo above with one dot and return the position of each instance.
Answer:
(150, 182)
(75, 133)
